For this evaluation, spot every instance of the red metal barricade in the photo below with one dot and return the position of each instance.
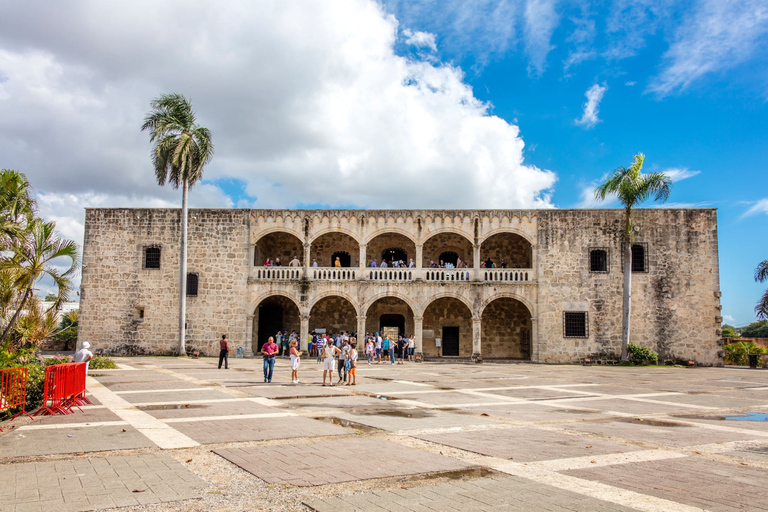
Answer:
(64, 388)
(13, 390)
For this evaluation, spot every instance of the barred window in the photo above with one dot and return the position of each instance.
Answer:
(638, 258)
(575, 324)
(151, 257)
(598, 260)
(192, 285)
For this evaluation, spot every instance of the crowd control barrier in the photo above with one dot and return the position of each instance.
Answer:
(64, 388)
(13, 390)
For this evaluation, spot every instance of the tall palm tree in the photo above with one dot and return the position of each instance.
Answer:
(631, 187)
(761, 275)
(17, 207)
(181, 150)
(33, 260)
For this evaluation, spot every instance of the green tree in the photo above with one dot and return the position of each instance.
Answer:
(180, 152)
(17, 207)
(33, 260)
(757, 329)
(67, 333)
(761, 275)
(632, 187)
(729, 332)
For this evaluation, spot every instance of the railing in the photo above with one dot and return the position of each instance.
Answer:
(448, 274)
(504, 275)
(334, 273)
(391, 274)
(13, 390)
(278, 273)
(64, 388)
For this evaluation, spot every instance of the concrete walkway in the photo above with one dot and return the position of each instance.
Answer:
(181, 435)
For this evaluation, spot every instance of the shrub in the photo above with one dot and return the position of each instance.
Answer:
(57, 359)
(736, 353)
(642, 355)
(101, 363)
(35, 378)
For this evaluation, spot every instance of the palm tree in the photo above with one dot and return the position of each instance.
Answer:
(181, 150)
(17, 208)
(631, 187)
(761, 275)
(34, 259)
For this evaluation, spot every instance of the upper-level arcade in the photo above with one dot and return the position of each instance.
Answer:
(402, 246)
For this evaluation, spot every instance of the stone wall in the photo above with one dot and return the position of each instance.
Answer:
(447, 312)
(512, 248)
(278, 245)
(387, 241)
(445, 242)
(388, 306)
(290, 319)
(334, 314)
(675, 304)
(325, 245)
(506, 331)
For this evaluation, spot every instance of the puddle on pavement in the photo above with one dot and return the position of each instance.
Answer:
(575, 411)
(347, 424)
(166, 407)
(749, 416)
(653, 422)
(462, 474)
(410, 413)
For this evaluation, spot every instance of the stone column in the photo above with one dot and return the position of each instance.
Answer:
(360, 332)
(476, 261)
(307, 261)
(248, 347)
(477, 353)
(304, 333)
(534, 340)
(417, 327)
(419, 258)
(363, 248)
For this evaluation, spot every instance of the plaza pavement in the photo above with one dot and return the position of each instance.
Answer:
(178, 434)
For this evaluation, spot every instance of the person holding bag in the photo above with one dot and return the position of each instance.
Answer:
(352, 377)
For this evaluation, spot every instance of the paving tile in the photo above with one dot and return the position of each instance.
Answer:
(256, 429)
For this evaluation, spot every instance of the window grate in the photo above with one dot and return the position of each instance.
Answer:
(638, 258)
(192, 285)
(598, 260)
(152, 257)
(575, 324)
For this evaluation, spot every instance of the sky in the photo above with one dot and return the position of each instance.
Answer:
(399, 104)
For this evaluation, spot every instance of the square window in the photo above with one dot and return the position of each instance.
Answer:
(151, 257)
(191, 285)
(575, 324)
(598, 260)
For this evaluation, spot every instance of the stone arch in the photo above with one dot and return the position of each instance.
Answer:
(447, 240)
(333, 312)
(512, 230)
(506, 295)
(325, 231)
(278, 243)
(506, 329)
(324, 246)
(391, 230)
(253, 304)
(505, 245)
(322, 295)
(387, 239)
(272, 312)
(393, 294)
(449, 295)
(449, 318)
(391, 307)
(262, 232)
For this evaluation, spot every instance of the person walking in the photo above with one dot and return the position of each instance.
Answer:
(269, 351)
(369, 350)
(344, 361)
(84, 355)
(403, 350)
(385, 348)
(330, 351)
(379, 347)
(352, 365)
(411, 347)
(224, 352)
(295, 360)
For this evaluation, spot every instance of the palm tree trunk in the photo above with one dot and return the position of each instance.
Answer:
(183, 273)
(627, 305)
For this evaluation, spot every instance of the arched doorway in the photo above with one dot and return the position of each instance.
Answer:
(327, 247)
(273, 314)
(284, 246)
(447, 245)
(449, 257)
(449, 320)
(344, 259)
(507, 249)
(506, 330)
(393, 254)
(333, 314)
(390, 313)
(390, 246)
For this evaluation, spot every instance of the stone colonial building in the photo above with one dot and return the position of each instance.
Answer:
(554, 295)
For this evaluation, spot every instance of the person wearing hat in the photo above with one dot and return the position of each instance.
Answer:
(84, 355)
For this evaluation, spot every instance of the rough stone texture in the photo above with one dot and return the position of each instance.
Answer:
(506, 330)
(291, 319)
(278, 245)
(676, 308)
(448, 312)
(388, 306)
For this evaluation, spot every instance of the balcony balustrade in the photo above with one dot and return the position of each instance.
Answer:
(401, 275)
(505, 275)
(278, 273)
(391, 274)
(444, 275)
(334, 273)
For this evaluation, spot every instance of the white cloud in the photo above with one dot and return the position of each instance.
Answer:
(592, 107)
(717, 35)
(729, 319)
(587, 196)
(420, 39)
(680, 173)
(541, 19)
(630, 83)
(759, 207)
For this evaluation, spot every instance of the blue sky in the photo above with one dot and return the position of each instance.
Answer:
(398, 104)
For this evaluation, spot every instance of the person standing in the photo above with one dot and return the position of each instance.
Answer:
(84, 355)
(352, 365)
(379, 347)
(344, 361)
(269, 351)
(295, 360)
(369, 350)
(295, 262)
(279, 338)
(385, 348)
(330, 351)
(403, 350)
(411, 347)
(224, 352)
(337, 263)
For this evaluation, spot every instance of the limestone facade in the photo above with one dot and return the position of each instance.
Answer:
(548, 305)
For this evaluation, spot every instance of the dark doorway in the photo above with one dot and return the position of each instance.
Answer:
(450, 341)
(394, 254)
(393, 321)
(270, 321)
(344, 258)
(449, 257)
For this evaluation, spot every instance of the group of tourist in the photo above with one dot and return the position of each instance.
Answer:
(269, 262)
(489, 263)
(393, 263)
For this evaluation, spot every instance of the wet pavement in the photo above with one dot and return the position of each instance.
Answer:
(429, 436)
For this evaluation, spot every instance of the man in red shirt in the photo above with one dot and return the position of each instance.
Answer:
(224, 352)
(269, 350)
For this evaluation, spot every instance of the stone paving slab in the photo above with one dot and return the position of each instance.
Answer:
(318, 464)
(629, 406)
(129, 385)
(257, 429)
(97, 483)
(451, 399)
(676, 436)
(175, 396)
(523, 444)
(693, 481)
(342, 402)
(499, 493)
(89, 414)
(408, 419)
(298, 391)
(534, 412)
(208, 409)
(71, 440)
